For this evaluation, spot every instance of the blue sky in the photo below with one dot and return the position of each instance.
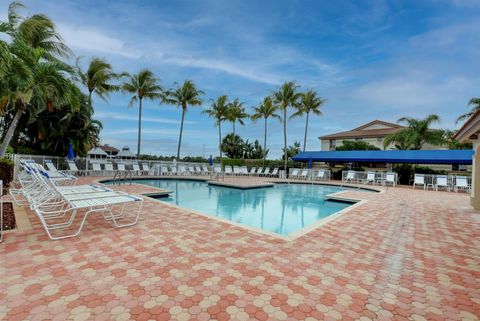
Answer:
(369, 59)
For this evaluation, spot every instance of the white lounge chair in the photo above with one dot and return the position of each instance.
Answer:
(461, 183)
(182, 170)
(419, 179)
(198, 170)
(266, 171)
(121, 167)
(390, 179)
(321, 175)
(173, 171)
(274, 173)
(442, 182)
(96, 169)
(73, 169)
(191, 170)
(237, 171)
(293, 173)
(109, 169)
(136, 168)
(304, 174)
(370, 178)
(145, 168)
(252, 171)
(50, 165)
(350, 176)
(228, 170)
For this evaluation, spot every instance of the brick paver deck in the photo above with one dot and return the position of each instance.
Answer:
(403, 255)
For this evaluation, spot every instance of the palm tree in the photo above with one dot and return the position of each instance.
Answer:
(286, 96)
(98, 78)
(218, 111)
(34, 78)
(187, 94)
(309, 103)
(416, 134)
(143, 85)
(236, 112)
(267, 109)
(475, 102)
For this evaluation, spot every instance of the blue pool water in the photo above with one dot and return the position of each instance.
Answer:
(282, 209)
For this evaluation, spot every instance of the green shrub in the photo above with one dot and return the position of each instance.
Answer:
(405, 172)
(6, 172)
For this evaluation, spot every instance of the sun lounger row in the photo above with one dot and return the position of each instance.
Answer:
(374, 178)
(254, 171)
(437, 182)
(101, 168)
(58, 206)
(198, 170)
(309, 174)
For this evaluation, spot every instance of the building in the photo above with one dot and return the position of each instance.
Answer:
(110, 150)
(97, 153)
(125, 154)
(373, 133)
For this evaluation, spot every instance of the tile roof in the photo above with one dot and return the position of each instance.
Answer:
(361, 132)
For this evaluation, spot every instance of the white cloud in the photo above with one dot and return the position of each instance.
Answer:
(147, 119)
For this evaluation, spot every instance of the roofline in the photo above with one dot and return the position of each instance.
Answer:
(464, 134)
(378, 121)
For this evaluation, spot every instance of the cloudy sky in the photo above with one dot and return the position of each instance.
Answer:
(370, 60)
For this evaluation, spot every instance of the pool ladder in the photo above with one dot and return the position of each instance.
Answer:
(122, 177)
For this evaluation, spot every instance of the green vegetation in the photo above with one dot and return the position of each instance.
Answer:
(291, 151)
(183, 96)
(234, 147)
(6, 172)
(143, 85)
(309, 103)
(266, 110)
(356, 145)
(416, 134)
(475, 103)
(236, 113)
(218, 111)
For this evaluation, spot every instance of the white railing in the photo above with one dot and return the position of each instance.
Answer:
(312, 174)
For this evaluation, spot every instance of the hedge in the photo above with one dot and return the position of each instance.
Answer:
(6, 172)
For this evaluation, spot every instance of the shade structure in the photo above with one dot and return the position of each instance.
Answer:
(460, 157)
(310, 162)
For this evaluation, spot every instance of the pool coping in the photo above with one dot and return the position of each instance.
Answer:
(287, 238)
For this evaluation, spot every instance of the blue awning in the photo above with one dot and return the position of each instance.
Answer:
(461, 157)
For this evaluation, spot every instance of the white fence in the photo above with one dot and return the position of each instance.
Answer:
(310, 174)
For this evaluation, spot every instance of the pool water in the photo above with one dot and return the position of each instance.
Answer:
(281, 209)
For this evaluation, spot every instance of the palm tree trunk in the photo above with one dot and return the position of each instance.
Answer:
(90, 98)
(11, 130)
(285, 137)
(265, 143)
(139, 127)
(220, 139)
(233, 127)
(184, 108)
(305, 138)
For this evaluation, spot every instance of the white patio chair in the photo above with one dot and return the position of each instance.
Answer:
(50, 165)
(173, 171)
(266, 172)
(109, 169)
(182, 170)
(293, 173)
(419, 179)
(304, 174)
(350, 176)
(252, 171)
(461, 183)
(236, 171)
(390, 179)
(121, 167)
(145, 169)
(228, 170)
(321, 175)
(370, 178)
(191, 170)
(274, 173)
(442, 182)
(96, 169)
(136, 168)
(164, 170)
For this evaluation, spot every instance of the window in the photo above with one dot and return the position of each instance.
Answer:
(358, 139)
(459, 168)
(333, 144)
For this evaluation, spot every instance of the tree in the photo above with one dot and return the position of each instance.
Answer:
(233, 146)
(218, 111)
(291, 151)
(236, 112)
(452, 143)
(475, 102)
(356, 145)
(286, 96)
(309, 103)
(143, 85)
(98, 78)
(267, 109)
(253, 150)
(33, 77)
(416, 134)
(187, 94)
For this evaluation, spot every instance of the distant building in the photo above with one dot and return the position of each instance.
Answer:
(97, 153)
(125, 153)
(110, 150)
(373, 133)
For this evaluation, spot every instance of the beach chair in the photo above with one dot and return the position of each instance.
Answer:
(266, 172)
(198, 170)
(173, 171)
(237, 171)
(136, 168)
(96, 169)
(442, 182)
(321, 175)
(294, 173)
(164, 170)
(182, 170)
(145, 169)
(244, 170)
(50, 165)
(274, 173)
(304, 174)
(461, 183)
(419, 179)
(370, 178)
(252, 171)
(121, 167)
(205, 170)
(109, 169)
(350, 177)
(73, 169)
(217, 169)
(390, 179)
(228, 170)
(191, 170)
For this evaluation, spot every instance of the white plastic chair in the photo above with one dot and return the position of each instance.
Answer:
(304, 174)
(442, 182)
(350, 176)
(390, 179)
(370, 178)
(419, 179)
(461, 182)
(294, 173)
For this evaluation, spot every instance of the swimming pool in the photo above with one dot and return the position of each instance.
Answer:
(281, 209)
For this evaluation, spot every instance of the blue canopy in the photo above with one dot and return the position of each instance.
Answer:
(462, 157)
(70, 155)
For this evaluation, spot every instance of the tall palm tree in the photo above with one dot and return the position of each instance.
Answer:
(416, 134)
(309, 103)
(236, 113)
(34, 78)
(98, 78)
(475, 103)
(267, 109)
(142, 86)
(218, 111)
(187, 94)
(286, 96)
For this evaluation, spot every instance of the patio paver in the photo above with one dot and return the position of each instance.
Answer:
(403, 255)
